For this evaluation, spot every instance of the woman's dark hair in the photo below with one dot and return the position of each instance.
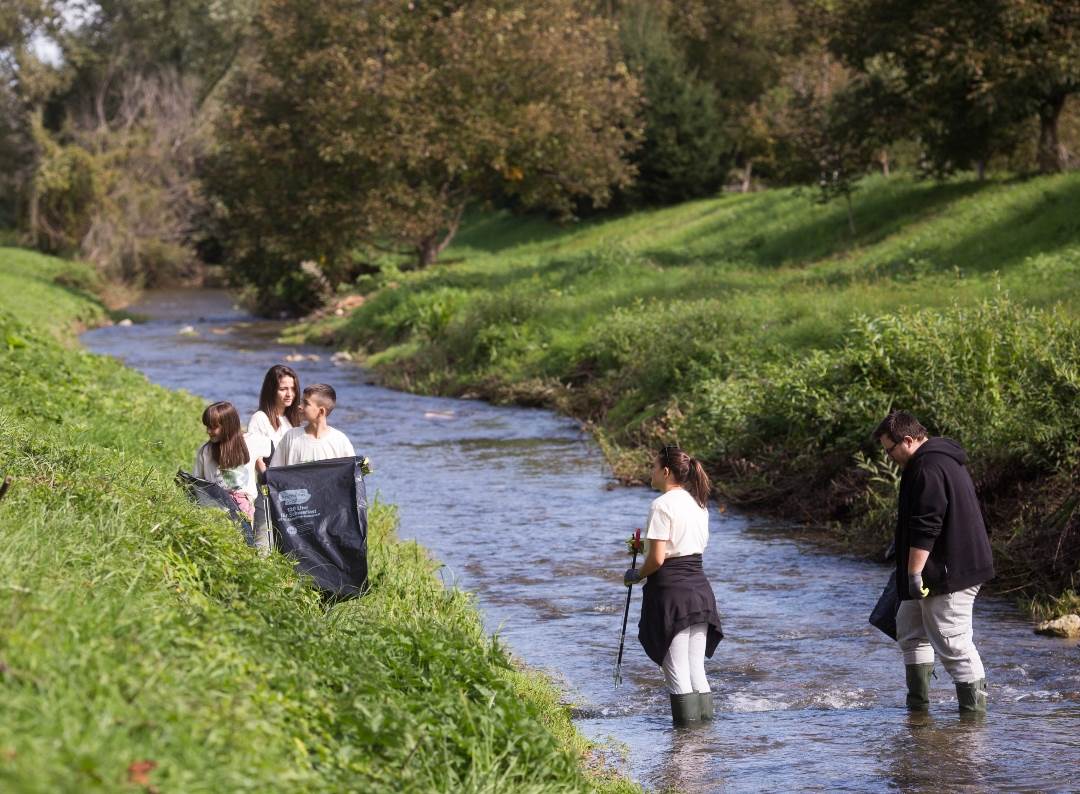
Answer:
(687, 472)
(268, 396)
(231, 450)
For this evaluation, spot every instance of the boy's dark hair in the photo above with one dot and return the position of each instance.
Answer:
(268, 396)
(899, 424)
(324, 395)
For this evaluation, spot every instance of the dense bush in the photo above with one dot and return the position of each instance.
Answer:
(999, 377)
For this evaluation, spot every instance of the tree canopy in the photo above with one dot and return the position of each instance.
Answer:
(380, 125)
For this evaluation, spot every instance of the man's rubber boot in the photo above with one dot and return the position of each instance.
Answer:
(705, 705)
(972, 697)
(685, 709)
(918, 686)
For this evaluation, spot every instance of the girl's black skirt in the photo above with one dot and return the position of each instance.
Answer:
(676, 597)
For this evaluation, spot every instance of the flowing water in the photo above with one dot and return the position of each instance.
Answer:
(521, 508)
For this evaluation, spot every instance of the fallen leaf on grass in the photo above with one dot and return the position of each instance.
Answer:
(139, 772)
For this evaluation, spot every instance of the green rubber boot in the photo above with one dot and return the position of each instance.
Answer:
(685, 709)
(972, 697)
(918, 686)
(705, 705)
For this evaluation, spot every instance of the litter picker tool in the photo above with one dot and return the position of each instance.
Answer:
(636, 547)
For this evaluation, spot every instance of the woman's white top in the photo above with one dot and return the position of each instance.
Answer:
(678, 519)
(240, 478)
(259, 425)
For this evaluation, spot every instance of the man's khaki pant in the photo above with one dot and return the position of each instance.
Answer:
(941, 624)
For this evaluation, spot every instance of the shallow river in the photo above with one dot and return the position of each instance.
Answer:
(521, 508)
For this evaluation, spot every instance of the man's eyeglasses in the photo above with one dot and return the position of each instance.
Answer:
(889, 450)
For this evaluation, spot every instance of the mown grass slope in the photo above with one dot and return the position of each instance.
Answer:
(757, 331)
(143, 646)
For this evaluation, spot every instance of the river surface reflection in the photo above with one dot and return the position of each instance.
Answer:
(521, 508)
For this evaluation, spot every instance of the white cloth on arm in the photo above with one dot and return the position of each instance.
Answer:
(240, 478)
(299, 446)
(682, 522)
(259, 425)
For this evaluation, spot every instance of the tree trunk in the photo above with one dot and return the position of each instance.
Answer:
(1053, 156)
(33, 199)
(980, 169)
(883, 158)
(427, 252)
(429, 248)
(747, 173)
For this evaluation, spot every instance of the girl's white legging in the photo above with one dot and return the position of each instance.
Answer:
(684, 663)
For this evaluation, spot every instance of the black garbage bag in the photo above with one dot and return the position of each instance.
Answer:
(319, 514)
(208, 494)
(883, 616)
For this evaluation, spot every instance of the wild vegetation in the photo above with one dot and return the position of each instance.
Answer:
(144, 645)
(300, 143)
(757, 332)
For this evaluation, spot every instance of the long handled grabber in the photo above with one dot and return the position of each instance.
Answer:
(635, 544)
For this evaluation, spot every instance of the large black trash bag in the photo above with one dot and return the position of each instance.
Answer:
(208, 494)
(883, 616)
(319, 513)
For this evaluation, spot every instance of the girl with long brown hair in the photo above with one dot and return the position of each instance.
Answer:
(279, 408)
(224, 459)
(679, 624)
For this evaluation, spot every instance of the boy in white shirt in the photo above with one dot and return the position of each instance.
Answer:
(316, 440)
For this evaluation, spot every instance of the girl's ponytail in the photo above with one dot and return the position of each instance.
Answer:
(698, 483)
(688, 472)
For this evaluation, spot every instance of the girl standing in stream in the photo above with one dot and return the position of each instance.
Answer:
(679, 624)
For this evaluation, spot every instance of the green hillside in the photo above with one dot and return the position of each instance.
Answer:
(761, 334)
(144, 647)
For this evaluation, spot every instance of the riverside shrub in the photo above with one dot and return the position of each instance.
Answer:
(1001, 378)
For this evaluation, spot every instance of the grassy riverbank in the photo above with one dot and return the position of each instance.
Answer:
(143, 646)
(767, 339)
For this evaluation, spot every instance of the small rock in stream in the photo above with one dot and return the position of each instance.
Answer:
(1067, 626)
(188, 330)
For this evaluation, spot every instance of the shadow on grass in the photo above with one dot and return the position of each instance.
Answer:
(498, 231)
(1030, 228)
(763, 237)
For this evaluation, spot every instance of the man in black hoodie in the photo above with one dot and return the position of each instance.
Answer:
(942, 558)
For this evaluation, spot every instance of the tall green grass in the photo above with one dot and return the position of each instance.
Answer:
(762, 335)
(143, 644)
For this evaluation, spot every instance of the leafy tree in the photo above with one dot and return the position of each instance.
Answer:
(970, 71)
(817, 128)
(381, 122)
(686, 151)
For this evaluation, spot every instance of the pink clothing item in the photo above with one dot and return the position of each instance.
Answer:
(244, 503)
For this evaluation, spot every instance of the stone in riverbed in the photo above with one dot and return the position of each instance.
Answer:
(1066, 626)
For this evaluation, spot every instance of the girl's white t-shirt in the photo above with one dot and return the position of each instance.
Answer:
(259, 425)
(678, 519)
(240, 478)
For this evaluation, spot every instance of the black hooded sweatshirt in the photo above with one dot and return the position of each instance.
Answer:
(939, 512)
